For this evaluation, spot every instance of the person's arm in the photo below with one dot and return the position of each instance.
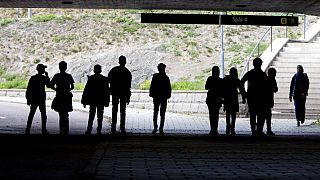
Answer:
(242, 92)
(169, 88)
(307, 84)
(292, 84)
(151, 89)
(207, 85)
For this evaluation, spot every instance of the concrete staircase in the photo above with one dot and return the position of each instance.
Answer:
(293, 54)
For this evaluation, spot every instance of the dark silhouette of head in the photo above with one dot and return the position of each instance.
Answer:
(272, 72)
(41, 68)
(122, 60)
(299, 69)
(97, 69)
(63, 66)
(233, 72)
(257, 63)
(215, 71)
(161, 68)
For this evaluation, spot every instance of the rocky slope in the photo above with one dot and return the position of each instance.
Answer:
(91, 37)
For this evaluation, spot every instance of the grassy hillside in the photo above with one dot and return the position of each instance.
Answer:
(84, 38)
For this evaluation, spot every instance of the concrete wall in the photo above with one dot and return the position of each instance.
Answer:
(181, 101)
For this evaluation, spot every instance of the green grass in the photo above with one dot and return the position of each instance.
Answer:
(44, 18)
(179, 85)
(79, 86)
(235, 47)
(144, 85)
(13, 81)
(188, 85)
(6, 21)
(317, 122)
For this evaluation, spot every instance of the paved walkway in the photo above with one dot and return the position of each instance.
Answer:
(140, 121)
(186, 151)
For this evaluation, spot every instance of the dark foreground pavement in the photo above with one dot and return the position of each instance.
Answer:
(141, 156)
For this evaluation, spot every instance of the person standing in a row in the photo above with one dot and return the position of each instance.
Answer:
(299, 87)
(214, 85)
(63, 83)
(231, 84)
(96, 94)
(36, 97)
(120, 85)
(160, 91)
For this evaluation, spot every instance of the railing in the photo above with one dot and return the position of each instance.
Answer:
(246, 63)
(250, 57)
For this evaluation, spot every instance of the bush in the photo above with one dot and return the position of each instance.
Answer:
(17, 83)
(44, 18)
(4, 22)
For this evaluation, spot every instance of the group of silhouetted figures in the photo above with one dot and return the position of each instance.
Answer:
(97, 91)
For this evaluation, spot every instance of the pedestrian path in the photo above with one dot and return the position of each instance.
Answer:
(140, 121)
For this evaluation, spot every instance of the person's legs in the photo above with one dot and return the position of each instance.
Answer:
(92, 113)
(123, 105)
(156, 105)
(233, 123)
(228, 122)
(303, 109)
(268, 121)
(261, 121)
(163, 109)
(100, 110)
(42, 107)
(253, 123)
(214, 118)
(33, 108)
(115, 103)
(298, 109)
(64, 122)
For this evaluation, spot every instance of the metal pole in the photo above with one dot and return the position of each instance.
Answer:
(18, 12)
(271, 38)
(286, 31)
(222, 50)
(29, 13)
(304, 26)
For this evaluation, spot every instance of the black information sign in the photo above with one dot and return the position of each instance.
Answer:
(215, 19)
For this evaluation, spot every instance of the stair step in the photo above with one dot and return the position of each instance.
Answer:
(298, 60)
(299, 55)
(278, 64)
(301, 50)
(304, 45)
(293, 116)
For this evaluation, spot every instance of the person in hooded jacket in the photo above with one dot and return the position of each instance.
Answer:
(299, 87)
(160, 91)
(96, 94)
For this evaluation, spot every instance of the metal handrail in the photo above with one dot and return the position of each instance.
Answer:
(246, 64)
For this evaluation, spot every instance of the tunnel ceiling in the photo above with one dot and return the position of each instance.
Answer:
(311, 7)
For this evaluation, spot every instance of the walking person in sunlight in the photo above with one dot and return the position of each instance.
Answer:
(160, 91)
(63, 83)
(120, 85)
(96, 94)
(36, 97)
(299, 87)
(272, 88)
(214, 85)
(231, 85)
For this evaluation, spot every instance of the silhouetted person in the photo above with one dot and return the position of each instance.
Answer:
(299, 91)
(160, 91)
(272, 88)
(96, 94)
(120, 84)
(36, 97)
(214, 85)
(231, 104)
(256, 96)
(63, 83)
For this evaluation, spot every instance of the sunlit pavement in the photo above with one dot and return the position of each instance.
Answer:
(186, 151)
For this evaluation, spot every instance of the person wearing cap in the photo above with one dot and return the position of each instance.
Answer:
(160, 91)
(272, 88)
(120, 85)
(96, 94)
(36, 97)
(299, 87)
(63, 83)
